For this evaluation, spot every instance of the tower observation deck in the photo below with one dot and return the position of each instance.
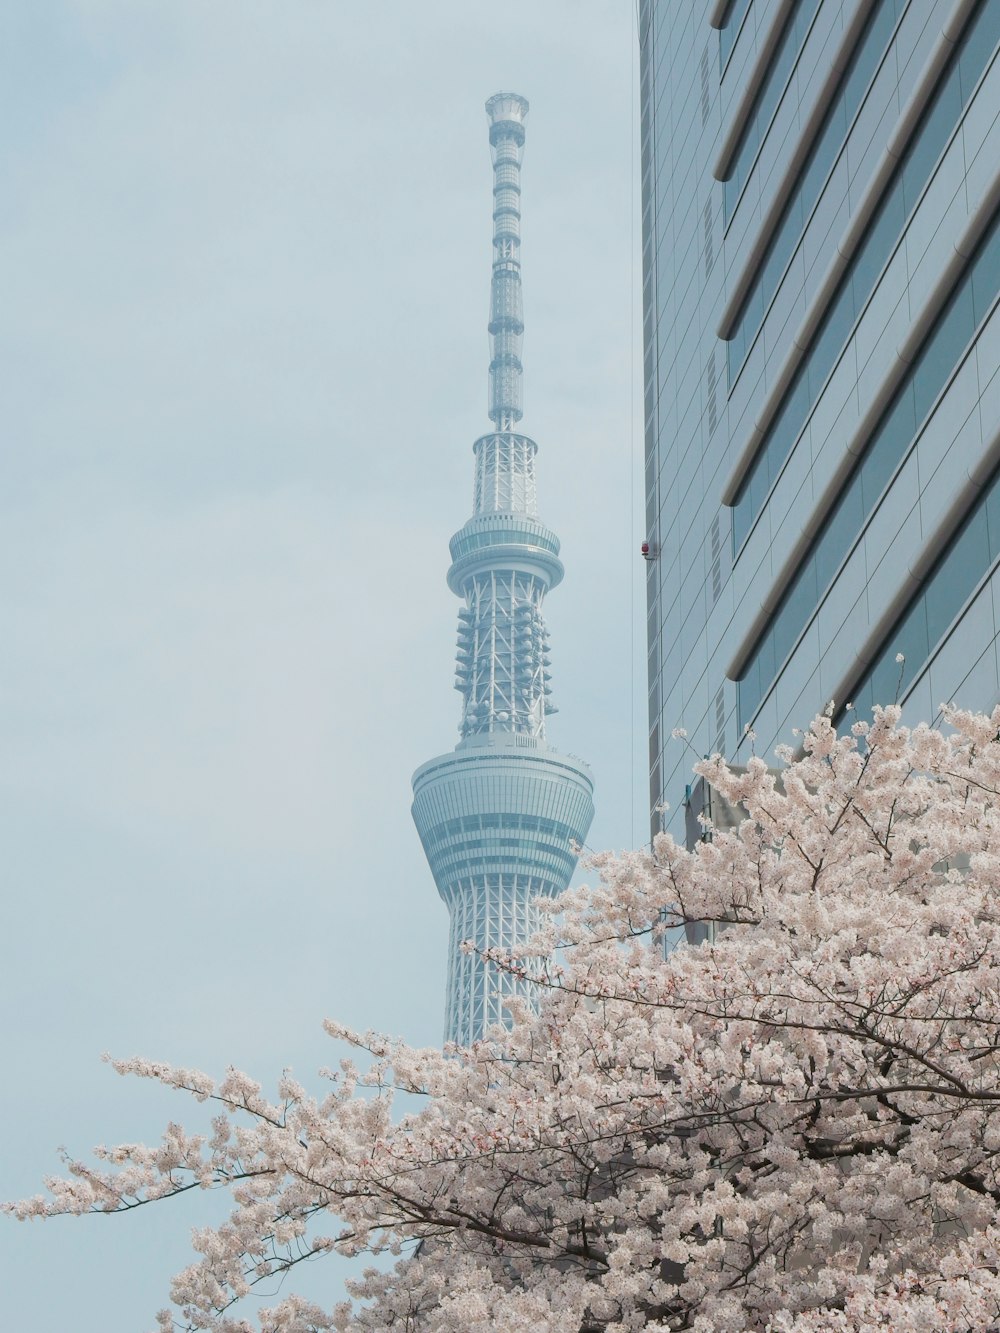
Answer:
(498, 815)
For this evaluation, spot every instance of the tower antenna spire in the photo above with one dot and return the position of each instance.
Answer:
(506, 112)
(499, 817)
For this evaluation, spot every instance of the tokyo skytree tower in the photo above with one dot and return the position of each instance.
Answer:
(498, 815)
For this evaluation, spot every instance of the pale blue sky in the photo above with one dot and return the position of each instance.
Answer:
(244, 250)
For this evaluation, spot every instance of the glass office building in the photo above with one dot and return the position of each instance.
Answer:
(821, 264)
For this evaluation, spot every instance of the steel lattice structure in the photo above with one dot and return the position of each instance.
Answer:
(498, 816)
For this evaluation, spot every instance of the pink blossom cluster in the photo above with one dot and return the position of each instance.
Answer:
(793, 1127)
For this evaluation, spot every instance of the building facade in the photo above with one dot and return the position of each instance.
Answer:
(821, 266)
(499, 816)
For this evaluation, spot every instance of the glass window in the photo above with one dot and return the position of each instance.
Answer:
(791, 416)
(767, 663)
(925, 148)
(780, 252)
(983, 36)
(769, 96)
(859, 72)
(984, 277)
(871, 256)
(817, 166)
(886, 449)
(910, 637)
(731, 30)
(935, 129)
(839, 531)
(799, 604)
(863, 698)
(900, 422)
(966, 561)
(970, 552)
(884, 684)
(831, 136)
(734, 355)
(939, 353)
(822, 156)
(742, 510)
(749, 692)
(755, 305)
(958, 573)
(827, 345)
(760, 485)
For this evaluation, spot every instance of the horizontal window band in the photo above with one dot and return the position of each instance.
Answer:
(980, 492)
(445, 868)
(863, 43)
(778, 83)
(964, 249)
(747, 272)
(736, 17)
(510, 823)
(493, 883)
(471, 853)
(542, 883)
(932, 368)
(829, 326)
(854, 234)
(761, 66)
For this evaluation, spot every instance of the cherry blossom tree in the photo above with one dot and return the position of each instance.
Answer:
(794, 1126)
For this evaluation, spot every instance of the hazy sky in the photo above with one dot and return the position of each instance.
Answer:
(245, 271)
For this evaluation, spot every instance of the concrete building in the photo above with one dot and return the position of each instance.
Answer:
(499, 815)
(821, 263)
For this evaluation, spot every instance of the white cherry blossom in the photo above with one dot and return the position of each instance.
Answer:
(795, 1127)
